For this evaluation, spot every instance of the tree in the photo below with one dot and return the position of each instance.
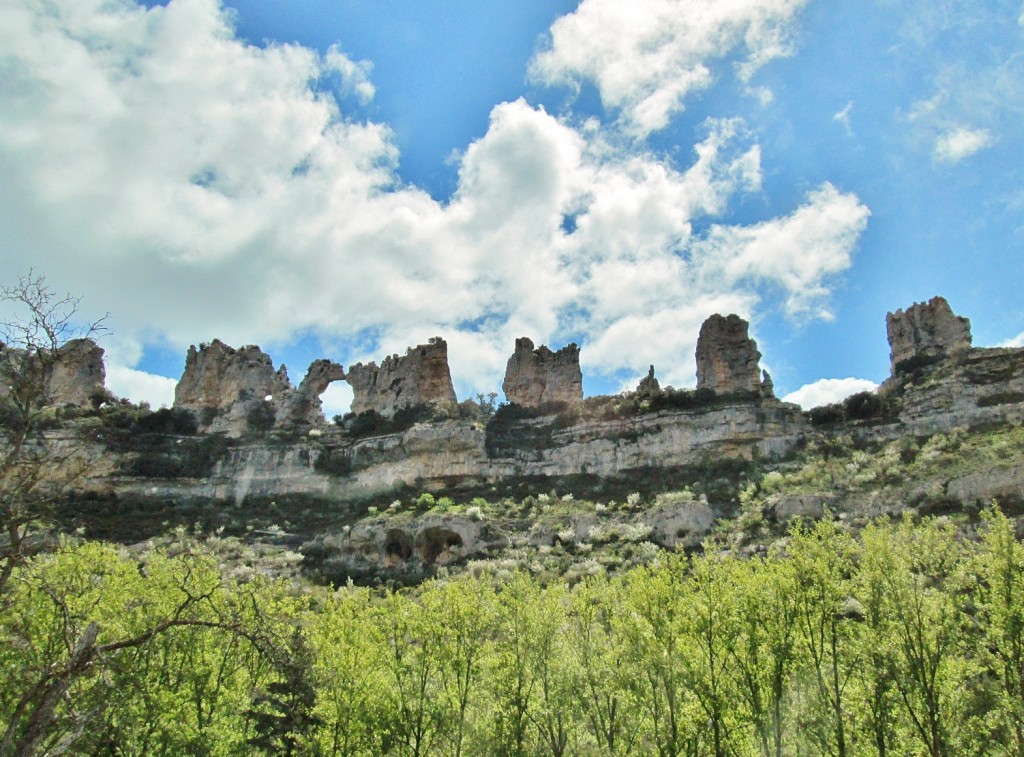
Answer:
(823, 561)
(34, 339)
(766, 647)
(603, 675)
(1000, 566)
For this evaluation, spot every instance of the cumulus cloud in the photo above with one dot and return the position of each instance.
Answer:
(798, 253)
(336, 399)
(139, 386)
(959, 143)
(196, 187)
(1017, 341)
(827, 391)
(647, 57)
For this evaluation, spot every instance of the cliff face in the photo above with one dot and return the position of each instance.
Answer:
(428, 455)
(956, 387)
(536, 377)
(421, 376)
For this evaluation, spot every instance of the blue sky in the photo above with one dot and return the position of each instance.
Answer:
(346, 179)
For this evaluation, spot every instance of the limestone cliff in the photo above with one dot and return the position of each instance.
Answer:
(420, 377)
(661, 430)
(536, 377)
(926, 331)
(728, 359)
(75, 375)
(302, 407)
(237, 391)
(224, 385)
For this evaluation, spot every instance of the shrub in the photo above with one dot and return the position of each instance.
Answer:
(175, 421)
(260, 417)
(862, 406)
(827, 415)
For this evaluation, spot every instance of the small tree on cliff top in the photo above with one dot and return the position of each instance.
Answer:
(37, 324)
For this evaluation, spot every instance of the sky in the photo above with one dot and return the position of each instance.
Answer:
(348, 178)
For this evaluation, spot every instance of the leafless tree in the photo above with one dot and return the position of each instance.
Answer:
(38, 324)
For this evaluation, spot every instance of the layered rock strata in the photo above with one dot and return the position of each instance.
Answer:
(420, 377)
(537, 377)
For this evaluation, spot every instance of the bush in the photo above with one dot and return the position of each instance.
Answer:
(260, 418)
(862, 406)
(827, 415)
(175, 421)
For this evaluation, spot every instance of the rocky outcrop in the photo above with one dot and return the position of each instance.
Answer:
(77, 376)
(218, 376)
(239, 391)
(302, 406)
(649, 384)
(226, 388)
(74, 375)
(536, 377)
(418, 378)
(727, 358)
(927, 331)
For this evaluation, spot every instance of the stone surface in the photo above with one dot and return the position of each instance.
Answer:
(78, 375)
(727, 358)
(418, 378)
(223, 385)
(927, 330)
(75, 376)
(535, 377)
(303, 406)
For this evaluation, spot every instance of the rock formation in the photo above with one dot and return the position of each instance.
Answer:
(926, 331)
(649, 384)
(418, 378)
(727, 358)
(75, 376)
(224, 386)
(535, 377)
(218, 376)
(302, 406)
(235, 391)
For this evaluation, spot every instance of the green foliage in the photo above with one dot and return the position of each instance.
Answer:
(372, 423)
(176, 421)
(905, 640)
(260, 417)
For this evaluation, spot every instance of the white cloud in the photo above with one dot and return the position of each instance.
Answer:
(336, 399)
(843, 117)
(646, 57)
(827, 391)
(973, 94)
(800, 252)
(959, 143)
(198, 187)
(1017, 341)
(139, 386)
